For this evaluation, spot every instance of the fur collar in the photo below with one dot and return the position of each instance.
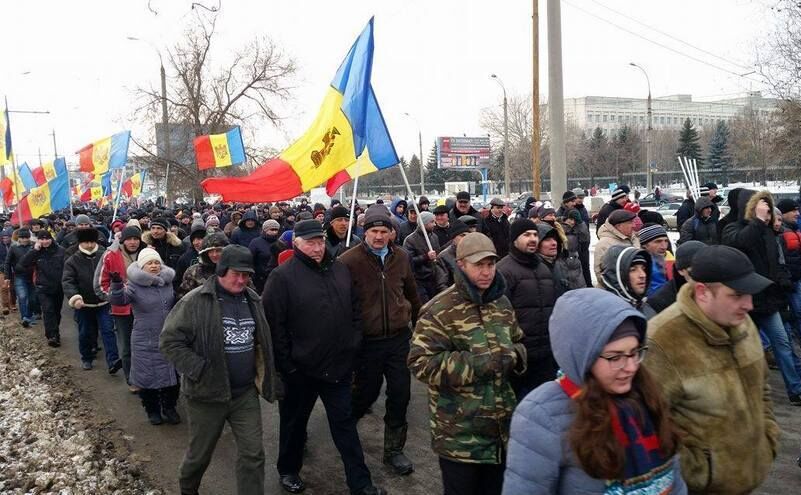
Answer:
(141, 277)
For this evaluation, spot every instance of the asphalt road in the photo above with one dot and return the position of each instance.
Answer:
(161, 448)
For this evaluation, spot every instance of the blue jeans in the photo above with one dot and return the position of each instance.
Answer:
(795, 306)
(91, 322)
(24, 289)
(788, 362)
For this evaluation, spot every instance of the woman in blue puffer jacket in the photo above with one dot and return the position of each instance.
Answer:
(602, 427)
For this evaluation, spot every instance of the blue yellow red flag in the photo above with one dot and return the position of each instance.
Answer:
(220, 150)
(42, 200)
(5, 142)
(108, 153)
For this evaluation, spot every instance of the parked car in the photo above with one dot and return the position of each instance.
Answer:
(668, 212)
(667, 197)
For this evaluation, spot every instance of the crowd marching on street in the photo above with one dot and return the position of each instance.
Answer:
(217, 306)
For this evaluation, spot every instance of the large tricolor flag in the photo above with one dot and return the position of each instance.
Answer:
(42, 200)
(108, 153)
(5, 143)
(26, 176)
(348, 127)
(48, 171)
(220, 150)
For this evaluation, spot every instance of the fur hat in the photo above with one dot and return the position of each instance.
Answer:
(86, 235)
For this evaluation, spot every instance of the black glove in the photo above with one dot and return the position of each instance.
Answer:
(115, 277)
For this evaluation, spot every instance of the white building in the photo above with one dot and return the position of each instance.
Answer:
(669, 112)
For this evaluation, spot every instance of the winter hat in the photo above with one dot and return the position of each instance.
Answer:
(44, 234)
(463, 196)
(544, 211)
(786, 205)
(146, 255)
(650, 233)
(627, 328)
(23, 233)
(520, 226)
(161, 222)
(534, 212)
(7, 232)
(710, 185)
(703, 191)
(270, 224)
(134, 223)
(304, 215)
(620, 216)
(574, 215)
(83, 219)
(235, 257)
(579, 192)
(457, 227)
(286, 237)
(339, 212)
(632, 207)
(86, 235)
(423, 201)
(639, 258)
(568, 196)
(129, 232)
(685, 253)
(425, 218)
(440, 210)
(212, 221)
(618, 194)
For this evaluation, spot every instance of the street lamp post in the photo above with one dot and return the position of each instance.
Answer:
(420, 144)
(165, 123)
(506, 191)
(648, 151)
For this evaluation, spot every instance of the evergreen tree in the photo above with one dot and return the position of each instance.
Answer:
(719, 147)
(688, 142)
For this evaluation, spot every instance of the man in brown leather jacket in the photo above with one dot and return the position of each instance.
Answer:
(383, 278)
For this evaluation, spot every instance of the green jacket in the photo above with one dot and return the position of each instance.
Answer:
(715, 381)
(464, 346)
(192, 340)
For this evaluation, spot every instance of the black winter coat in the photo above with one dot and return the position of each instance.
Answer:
(532, 290)
(685, 211)
(604, 213)
(261, 249)
(14, 256)
(791, 246)
(78, 277)
(169, 248)
(48, 267)
(406, 230)
(497, 229)
(417, 248)
(314, 317)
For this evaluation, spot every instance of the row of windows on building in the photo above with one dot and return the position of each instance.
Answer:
(599, 118)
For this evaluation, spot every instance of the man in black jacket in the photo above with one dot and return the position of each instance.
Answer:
(423, 256)
(261, 249)
(532, 290)
(46, 260)
(5, 290)
(619, 199)
(22, 279)
(496, 227)
(791, 247)
(463, 207)
(382, 276)
(337, 232)
(314, 318)
(167, 244)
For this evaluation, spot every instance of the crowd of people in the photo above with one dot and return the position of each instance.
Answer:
(548, 370)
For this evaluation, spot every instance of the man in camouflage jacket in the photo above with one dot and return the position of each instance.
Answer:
(465, 345)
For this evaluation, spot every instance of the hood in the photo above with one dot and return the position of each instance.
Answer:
(172, 239)
(140, 277)
(577, 347)
(249, 215)
(397, 202)
(615, 271)
(211, 241)
(742, 202)
(749, 211)
(703, 202)
(544, 230)
(734, 208)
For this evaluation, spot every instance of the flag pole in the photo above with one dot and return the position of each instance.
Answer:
(414, 203)
(13, 156)
(353, 203)
(119, 193)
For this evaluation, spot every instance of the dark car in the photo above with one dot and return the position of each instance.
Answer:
(650, 201)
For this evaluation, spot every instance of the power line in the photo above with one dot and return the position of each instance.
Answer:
(652, 28)
(661, 45)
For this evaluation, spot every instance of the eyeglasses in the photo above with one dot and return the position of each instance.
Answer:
(619, 361)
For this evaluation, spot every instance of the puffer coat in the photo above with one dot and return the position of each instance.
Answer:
(151, 298)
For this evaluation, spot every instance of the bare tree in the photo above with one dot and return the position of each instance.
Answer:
(208, 93)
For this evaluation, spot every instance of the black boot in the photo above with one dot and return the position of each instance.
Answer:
(150, 401)
(394, 441)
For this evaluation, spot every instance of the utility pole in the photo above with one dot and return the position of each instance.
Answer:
(506, 188)
(165, 124)
(422, 167)
(556, 101)
(14, 156)
(648, 151)
(535, 100)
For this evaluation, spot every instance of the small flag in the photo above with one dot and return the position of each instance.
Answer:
(220, 150)
(133, 187)
(349, 127)
(49, 171)
(42, 200)
(108, 153)
(5, 143)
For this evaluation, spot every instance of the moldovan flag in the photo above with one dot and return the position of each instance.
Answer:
(108, 153)
(42, 200)
(349, 126)
(5, 142)
(26, 176)
(220, 150)
(133, 186)
(49, 171)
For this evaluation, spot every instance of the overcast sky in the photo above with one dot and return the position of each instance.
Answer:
(432, 57)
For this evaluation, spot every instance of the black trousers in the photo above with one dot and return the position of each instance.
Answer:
(295, 408)
(462, 478)
(584, 257)
(159, 399)
(51, 312)
(379, 359)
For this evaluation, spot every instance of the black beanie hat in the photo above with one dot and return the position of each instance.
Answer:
(129, 232)
(457, 227)
(520, 226)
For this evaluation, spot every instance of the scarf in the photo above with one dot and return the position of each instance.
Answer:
(381, 253)
(88, 253)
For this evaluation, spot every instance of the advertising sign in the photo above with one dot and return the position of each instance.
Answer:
(463, 153)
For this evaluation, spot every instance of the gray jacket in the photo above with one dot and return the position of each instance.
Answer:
(540, 459)
(192, 339)
(151, 298)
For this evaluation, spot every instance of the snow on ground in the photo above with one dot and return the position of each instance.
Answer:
(52, 441)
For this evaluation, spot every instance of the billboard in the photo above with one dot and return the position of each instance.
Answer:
(467, 153)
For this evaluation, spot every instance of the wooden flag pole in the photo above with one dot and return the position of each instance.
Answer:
(353, 203)
(119, 192)
(414, 203)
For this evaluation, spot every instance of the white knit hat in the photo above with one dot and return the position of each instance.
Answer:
(146, 255)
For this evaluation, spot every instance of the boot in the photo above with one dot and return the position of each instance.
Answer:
(150, 401)
(394, 441)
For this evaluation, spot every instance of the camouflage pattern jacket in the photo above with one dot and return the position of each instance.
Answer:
(465, 345)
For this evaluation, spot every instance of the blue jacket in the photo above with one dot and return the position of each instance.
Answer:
(540, 459)
(243, 235)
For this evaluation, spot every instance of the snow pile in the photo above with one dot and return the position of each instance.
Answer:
(51, 441)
